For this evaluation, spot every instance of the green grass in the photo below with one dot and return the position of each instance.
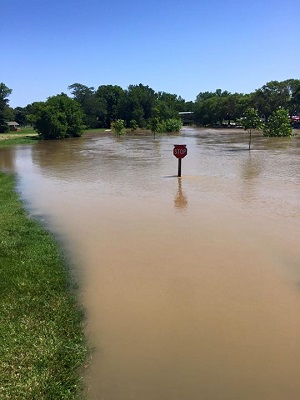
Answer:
(42, 345)
(24, 136)
(30, 136)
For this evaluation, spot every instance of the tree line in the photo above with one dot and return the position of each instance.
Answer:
(212, 108)
(140, 106)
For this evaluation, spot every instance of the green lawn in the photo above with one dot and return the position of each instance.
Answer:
(42, 345)
(24, 136)
(29, 136)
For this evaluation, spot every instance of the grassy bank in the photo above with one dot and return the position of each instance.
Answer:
(24, 136)
(42, 345)
(29, 136)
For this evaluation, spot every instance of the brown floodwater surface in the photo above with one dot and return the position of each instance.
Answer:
(191, 285)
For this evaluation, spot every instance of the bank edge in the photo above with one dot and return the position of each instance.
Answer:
(42, 344)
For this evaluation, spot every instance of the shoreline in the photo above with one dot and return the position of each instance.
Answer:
(41, 322)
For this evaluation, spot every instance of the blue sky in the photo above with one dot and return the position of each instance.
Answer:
(180, 46)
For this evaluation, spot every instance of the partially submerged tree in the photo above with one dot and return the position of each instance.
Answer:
(118, 127)
(154, 124)
(278, 124)
(170, 125)
(133, 125)
(250, 122)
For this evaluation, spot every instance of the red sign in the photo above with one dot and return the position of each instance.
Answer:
(180, 150)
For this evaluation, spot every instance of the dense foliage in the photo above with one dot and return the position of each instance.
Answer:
(4, 109)
(58, 118)
(222, 107)
(118, 127)
(170, 125)
(140, 106)
(278, 124)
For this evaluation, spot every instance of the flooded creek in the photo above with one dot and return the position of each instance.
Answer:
(191, 285)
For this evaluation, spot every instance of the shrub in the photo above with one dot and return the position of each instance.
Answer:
(118, 127)
(58, 118)
(170, 125)
(278, 124)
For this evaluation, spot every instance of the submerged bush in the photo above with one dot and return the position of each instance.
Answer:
(278, 124)
(170, 125)
(118, 127)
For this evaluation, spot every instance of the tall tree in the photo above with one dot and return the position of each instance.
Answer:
(169, 105)
(140, 103)
(295, 96)
(81, 92)
(271, 96)
(91, 105)
(109, 97)
(20, 115)
(213, 107)
(4, 93)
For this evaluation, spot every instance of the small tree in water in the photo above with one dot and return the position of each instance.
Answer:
(118, 127)
(278, 124)
(153, 124)
(250, 122)
(133, 125)
(170, 125)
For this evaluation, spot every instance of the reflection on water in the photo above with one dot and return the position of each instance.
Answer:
(252, 167)
(191, 284)
(7, 159)
(180, 200)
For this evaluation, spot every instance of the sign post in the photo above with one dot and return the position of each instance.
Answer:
(179, 151)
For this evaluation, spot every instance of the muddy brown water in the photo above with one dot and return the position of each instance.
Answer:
(191, 285)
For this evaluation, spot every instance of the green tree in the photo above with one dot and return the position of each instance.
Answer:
(213, 108)
(251, 121)
(295, 97)
(20, 115)
(9, 114)
(133, 125)
(233, 106)
(278, 124)
(58, 118)
(109, 98)
(154, 125)
(274, 95)
(81, 92)
(92, 107)
(168, 105)
(170, 125)
(4, 93)
(118, 127)
(139, 104)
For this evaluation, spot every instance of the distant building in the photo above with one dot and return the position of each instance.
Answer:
(187, 117)
(295, 121)
(13, 126)
(295, 118)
